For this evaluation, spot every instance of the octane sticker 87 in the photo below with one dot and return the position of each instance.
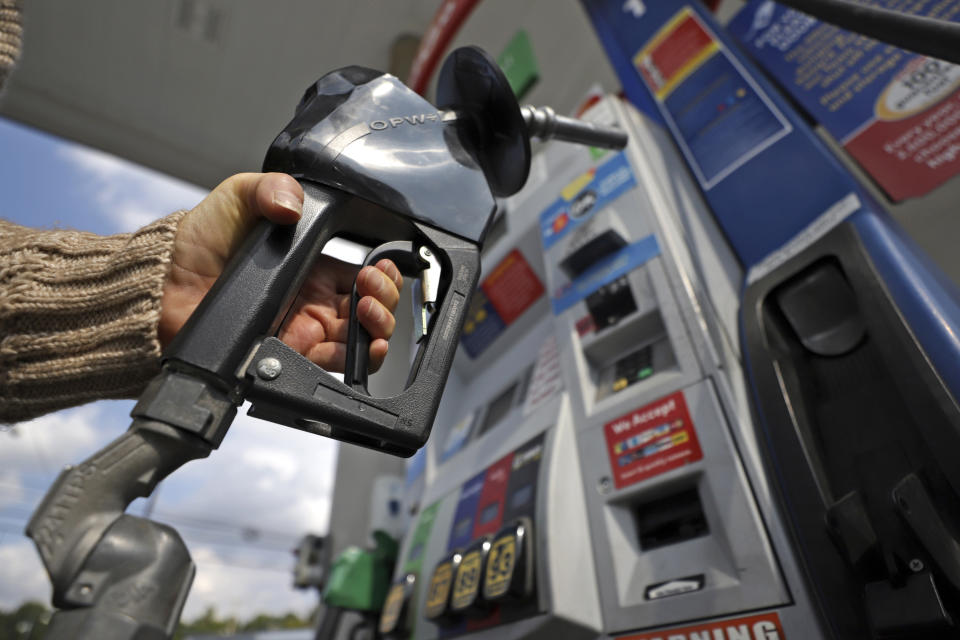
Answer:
(439, 590)
(391, 609)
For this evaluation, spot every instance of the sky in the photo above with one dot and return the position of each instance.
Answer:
(242, 510)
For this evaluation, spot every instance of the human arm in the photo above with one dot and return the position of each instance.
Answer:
(85, 317)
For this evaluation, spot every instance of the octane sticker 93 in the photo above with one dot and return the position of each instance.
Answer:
(500, 565)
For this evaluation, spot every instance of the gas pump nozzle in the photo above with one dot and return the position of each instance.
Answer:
(378, 164)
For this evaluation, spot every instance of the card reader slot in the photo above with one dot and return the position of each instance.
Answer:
(591, 252)
(611, 303)
(670, 519)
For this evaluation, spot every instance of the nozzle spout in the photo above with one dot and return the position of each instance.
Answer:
(544, 123)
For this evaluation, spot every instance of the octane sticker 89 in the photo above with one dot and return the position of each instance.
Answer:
(500, 565)
(468, 580)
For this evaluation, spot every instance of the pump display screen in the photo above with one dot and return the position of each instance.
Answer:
(415, 552)
(521, 496)
(490, 513)
(462, 528)
(498, 409)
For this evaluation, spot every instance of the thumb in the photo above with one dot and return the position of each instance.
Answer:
(275, 196)
(222, 220)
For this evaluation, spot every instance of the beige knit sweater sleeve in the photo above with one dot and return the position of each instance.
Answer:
(78, 315)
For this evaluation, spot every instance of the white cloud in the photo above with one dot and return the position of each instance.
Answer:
(23, 575)
(241, 511)
(129, 195)
(11, 488)
(238, 587)
(263, 475)
(54, 440)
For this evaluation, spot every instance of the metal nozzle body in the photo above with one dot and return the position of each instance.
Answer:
(544, 123)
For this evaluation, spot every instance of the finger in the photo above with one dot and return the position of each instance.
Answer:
(341, 274)
(392, 272)
(277, 197)
(248, 196)
(373, 282)
(378, 353)
(375, 318)
(331, 356)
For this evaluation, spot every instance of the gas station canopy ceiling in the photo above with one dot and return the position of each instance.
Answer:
(199, 88)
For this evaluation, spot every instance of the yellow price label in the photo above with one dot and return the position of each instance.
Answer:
(439, 590)
(391, 609)
(467, 583)
(500, 565)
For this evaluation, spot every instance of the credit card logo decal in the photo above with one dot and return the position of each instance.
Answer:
(651, 440)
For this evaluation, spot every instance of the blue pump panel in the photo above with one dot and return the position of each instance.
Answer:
(753, 156)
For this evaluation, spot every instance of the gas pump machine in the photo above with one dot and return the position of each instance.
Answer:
(752, 422)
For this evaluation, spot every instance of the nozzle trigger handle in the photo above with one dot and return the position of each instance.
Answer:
(404, 256)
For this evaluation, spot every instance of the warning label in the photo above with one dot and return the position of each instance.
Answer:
(762, 627)
(510, 289)
(651, 440)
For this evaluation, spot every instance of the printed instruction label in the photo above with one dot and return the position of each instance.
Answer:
(651, 440)
(897, 113)
(720, 117)
(547, 378)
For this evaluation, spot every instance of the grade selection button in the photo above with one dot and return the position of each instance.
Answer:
(468, 577)
(438, 597)
(509, 569)
(393, 616)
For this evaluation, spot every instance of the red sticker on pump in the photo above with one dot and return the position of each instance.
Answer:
(651, 440)
(762, 627)
(512, 287)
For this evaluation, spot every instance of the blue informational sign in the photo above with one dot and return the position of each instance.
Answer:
(486, 325)
(764, 172)
(722, 120)
(458, 437)
(584, 197)
(461, 529)
(579, 203)
(604, 272)
(896, 112)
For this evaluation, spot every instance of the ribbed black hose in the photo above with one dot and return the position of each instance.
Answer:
(926, 36)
